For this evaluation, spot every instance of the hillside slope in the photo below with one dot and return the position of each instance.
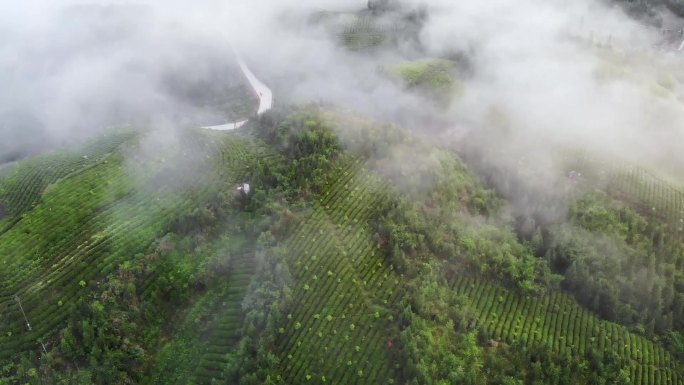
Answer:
(361, 254)
(82, 236)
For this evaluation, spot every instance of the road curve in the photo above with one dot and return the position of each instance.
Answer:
(262, 92)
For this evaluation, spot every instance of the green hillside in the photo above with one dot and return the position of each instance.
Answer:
(476, 196)
(435, 78)
(362, 254)
(341, 316)
(83, 235)
(560, 323)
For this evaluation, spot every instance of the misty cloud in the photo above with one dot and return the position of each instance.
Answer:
(573, 74)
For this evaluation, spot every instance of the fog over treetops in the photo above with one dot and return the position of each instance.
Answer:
(342, 191)
(581, 74)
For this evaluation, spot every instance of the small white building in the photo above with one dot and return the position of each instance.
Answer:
(244, 188)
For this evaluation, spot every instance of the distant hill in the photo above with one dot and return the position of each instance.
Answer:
(649, 8)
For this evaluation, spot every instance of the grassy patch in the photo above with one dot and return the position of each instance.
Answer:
(436, 77)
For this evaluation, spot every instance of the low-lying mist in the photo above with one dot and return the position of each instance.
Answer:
(541, 75)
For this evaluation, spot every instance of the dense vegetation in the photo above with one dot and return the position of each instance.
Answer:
(90, 262)
(361, 254)
(316, 247)
(435, 78)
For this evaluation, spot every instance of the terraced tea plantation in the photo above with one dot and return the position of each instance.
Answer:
(559, 322)
(77, 217)
(654, 195)
(137, 259)
(21, 188)
(362, 34)
(367, 32)
(339, 328)
(225, 331)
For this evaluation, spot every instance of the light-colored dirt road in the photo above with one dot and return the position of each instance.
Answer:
(262, 92)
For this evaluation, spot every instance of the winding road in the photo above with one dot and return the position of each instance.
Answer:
(262, 92)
